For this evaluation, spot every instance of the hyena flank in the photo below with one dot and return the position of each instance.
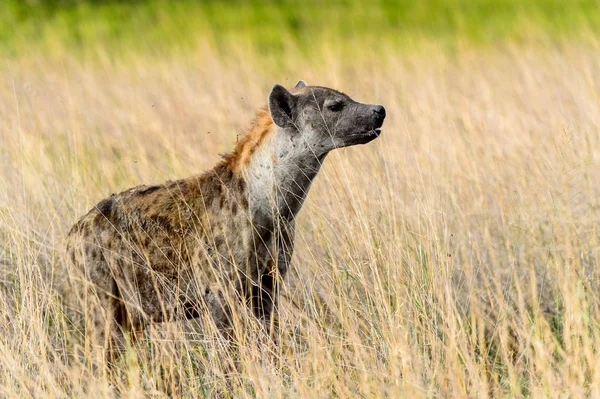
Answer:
(185, 248)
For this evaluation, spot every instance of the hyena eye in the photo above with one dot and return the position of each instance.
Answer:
(336, 106)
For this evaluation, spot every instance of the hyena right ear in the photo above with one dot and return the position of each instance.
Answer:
(300, 84)
(282, 106)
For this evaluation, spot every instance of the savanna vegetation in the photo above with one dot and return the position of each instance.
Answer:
(455, 256)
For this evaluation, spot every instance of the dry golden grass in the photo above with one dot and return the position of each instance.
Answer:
(457, 255)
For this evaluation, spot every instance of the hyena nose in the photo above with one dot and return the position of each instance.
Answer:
(379, 110)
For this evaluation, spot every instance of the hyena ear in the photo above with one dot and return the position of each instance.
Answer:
(282, 106)
(300, 84)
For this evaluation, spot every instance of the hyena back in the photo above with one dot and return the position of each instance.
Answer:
(181, 249)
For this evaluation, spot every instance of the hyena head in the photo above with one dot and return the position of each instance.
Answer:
(325, 118)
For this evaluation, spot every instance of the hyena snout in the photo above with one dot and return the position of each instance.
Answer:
(371, 121)
(378, 115)
(363, 126)
(370, 117)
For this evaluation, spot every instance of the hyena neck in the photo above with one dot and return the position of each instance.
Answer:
(278, 166)
(279, 175)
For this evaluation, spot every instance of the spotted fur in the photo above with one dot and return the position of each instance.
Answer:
(194, 246)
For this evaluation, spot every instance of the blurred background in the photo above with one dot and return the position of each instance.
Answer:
(272, 29)
(454, 256)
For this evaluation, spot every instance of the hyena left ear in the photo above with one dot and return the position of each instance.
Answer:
(282, 106)
(300, 84)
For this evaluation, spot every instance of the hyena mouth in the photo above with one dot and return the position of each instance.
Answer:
(366, 136)
(373, 133)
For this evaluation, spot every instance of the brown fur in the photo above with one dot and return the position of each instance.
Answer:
(146, 249)
(249, 142)
(198, 246)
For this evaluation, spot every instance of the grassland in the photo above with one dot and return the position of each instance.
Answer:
(455, 256)
(274, 29)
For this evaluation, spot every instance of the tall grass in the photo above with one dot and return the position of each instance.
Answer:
(457, 255)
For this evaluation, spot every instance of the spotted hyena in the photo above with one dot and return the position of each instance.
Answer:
(186, 247)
